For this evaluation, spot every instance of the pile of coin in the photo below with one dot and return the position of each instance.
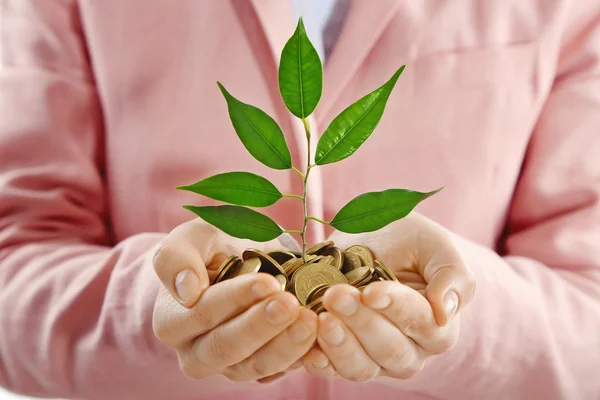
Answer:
(324, 266)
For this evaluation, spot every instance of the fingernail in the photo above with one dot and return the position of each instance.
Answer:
(260, 290)
(451, 303)
(187, 285)
(322, 363)
(346, 305)
(276, 313)
(299, 332)
(335, 336)
(381, 303)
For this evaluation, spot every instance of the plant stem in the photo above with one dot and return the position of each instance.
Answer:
(293, 231)
(294, 196)
(304, 180)
(319, 220)
(298, 171)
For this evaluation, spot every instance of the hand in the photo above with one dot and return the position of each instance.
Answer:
(244, 328)
(390, 329)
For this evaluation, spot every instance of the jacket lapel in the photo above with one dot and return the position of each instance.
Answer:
(365, 23)
(277, 21)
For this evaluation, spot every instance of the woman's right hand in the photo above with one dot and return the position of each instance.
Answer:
(244, 328)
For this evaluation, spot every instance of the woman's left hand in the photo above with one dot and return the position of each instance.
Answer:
(391, 328)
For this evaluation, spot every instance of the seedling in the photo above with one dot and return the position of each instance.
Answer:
(300, 85)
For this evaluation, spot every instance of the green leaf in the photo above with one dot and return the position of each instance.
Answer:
(258, 132)
(372, 211)
(300, 74)
(240, 222)
(354, 125)
(241, 188)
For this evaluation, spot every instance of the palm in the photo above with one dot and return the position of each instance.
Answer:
(408, 247)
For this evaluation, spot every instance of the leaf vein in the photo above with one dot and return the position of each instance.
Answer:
(246, 222)
(263, 138)
(240, 187)
(353, 126)
(369, 213)
(300, 74)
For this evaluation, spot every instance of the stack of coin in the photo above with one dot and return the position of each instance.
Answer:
(325, 266)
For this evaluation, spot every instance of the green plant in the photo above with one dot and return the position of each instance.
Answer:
(300, 84)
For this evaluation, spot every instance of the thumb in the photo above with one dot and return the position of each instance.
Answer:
(182, 270)
(450, 283)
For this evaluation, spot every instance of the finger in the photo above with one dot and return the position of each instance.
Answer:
(181, 269)
(450, 283)
(219, 303)
(383, 342)
(297, 364)
(272, 378)
(449, 289)
(317, 364)
(238, 338)
(412, 314)
(344, 350)
(283, 351)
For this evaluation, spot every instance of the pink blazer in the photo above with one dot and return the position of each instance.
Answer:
(106, 106)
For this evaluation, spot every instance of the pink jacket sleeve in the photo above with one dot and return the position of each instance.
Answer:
(532, 330)
(71, 306)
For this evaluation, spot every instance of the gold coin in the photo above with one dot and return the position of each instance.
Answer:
(314, 304)
(368, 278)
(317, 293)
(319, 308)
(298, 254)
(357, 275)
(313, 259)
(351, 261)
(250, 266)
(225, 265)
(311, 275)
(318, 248)
(281, 256)
(286, 265)
(382, 274)
(365, 255)
(282, 281)
(250, 253)
(337, 255)
(328, 260)
(297, 263)
(269, 265)
(390, 275)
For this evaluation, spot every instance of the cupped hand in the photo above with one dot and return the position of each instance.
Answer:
(244, 328)
(391, 328)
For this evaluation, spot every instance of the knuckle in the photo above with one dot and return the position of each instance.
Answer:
(216, 348)
(412, 324)
(258, 368)
(188, 367)
(362, 375)
(446, 343)
(161, 331)
(235, 376)
(203, 318)
(411, 370)
(396, 358)
(162, 325)
(471, 283)
(160, 256)
(396, 310)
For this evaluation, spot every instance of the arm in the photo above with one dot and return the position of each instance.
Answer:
(533, 328)
(75, 313)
